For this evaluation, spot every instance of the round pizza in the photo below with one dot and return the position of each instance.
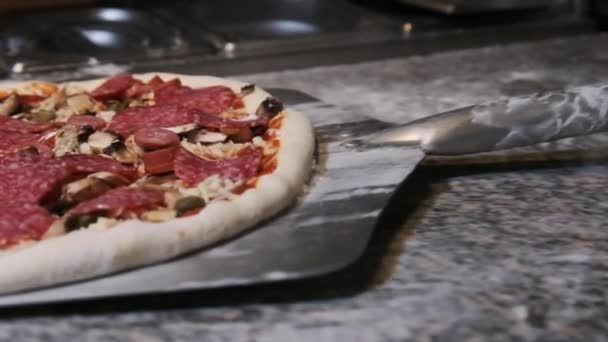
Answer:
(106, 175)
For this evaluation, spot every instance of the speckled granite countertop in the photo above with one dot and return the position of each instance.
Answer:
(511, 246)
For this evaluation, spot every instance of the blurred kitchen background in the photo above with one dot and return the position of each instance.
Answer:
(83, 38)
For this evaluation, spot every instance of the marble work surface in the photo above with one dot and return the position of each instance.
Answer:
(501, 247)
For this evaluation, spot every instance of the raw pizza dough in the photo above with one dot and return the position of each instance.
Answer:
(88, 253)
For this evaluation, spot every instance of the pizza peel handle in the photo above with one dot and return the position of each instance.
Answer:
(503, 124)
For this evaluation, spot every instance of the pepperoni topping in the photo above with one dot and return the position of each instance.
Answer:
(14, 141)
(212, 121)
(192, 169)
(42, 149)
(32, 177)
(159, 161)
(87, 120)
(133, 119)
(14, 125)
(29, 177)
(86, 163)
(22, 222)
(155, 138)
(153, 85)
(156, 81)
(166, 94)
(114, 88)
(211, 100)
(121, 202)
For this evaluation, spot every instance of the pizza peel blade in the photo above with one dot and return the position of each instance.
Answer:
(327, 229)
(360, 163)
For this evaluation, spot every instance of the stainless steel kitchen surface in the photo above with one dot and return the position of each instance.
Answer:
(83, 35)
(213, 37)
(271, 19)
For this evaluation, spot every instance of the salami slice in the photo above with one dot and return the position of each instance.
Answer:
(21, 222)
(14, 141)
(32, 177)
(14, 125)
(212, 121)
(211, 100)
(155, 84)
(87, 120)
(86, 163)
(133, 119)
(166, 94)
(159, 161)
(155, 138)
(29, 177)
(192, 169)
(114, 88)
(120, 202)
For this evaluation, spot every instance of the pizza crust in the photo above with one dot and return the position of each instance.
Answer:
(93, 252)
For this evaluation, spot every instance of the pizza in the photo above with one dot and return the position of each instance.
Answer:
(107, 175)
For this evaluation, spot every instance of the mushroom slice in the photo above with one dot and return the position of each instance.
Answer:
(10, 105)
(81, 103)
(110, 144)
(106, 115)
(43, 115)
(51, 103)
(84, 133)
(109, 178)
(133, 147)
(183, 128)
(66, 140)
(84, 189)
(101, 141)
(91, 186)
(207, 137)
(124, 154)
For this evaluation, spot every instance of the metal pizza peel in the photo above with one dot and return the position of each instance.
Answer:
(360, 163)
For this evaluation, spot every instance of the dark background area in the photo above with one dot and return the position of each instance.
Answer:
(71, 38)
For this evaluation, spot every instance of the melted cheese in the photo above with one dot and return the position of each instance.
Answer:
(56, 100)
(63, 114)
(211, 188)
(269, 149)
(73, 89)
(215, 151)
(159, 215)
(85, 148)
(106, 115)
